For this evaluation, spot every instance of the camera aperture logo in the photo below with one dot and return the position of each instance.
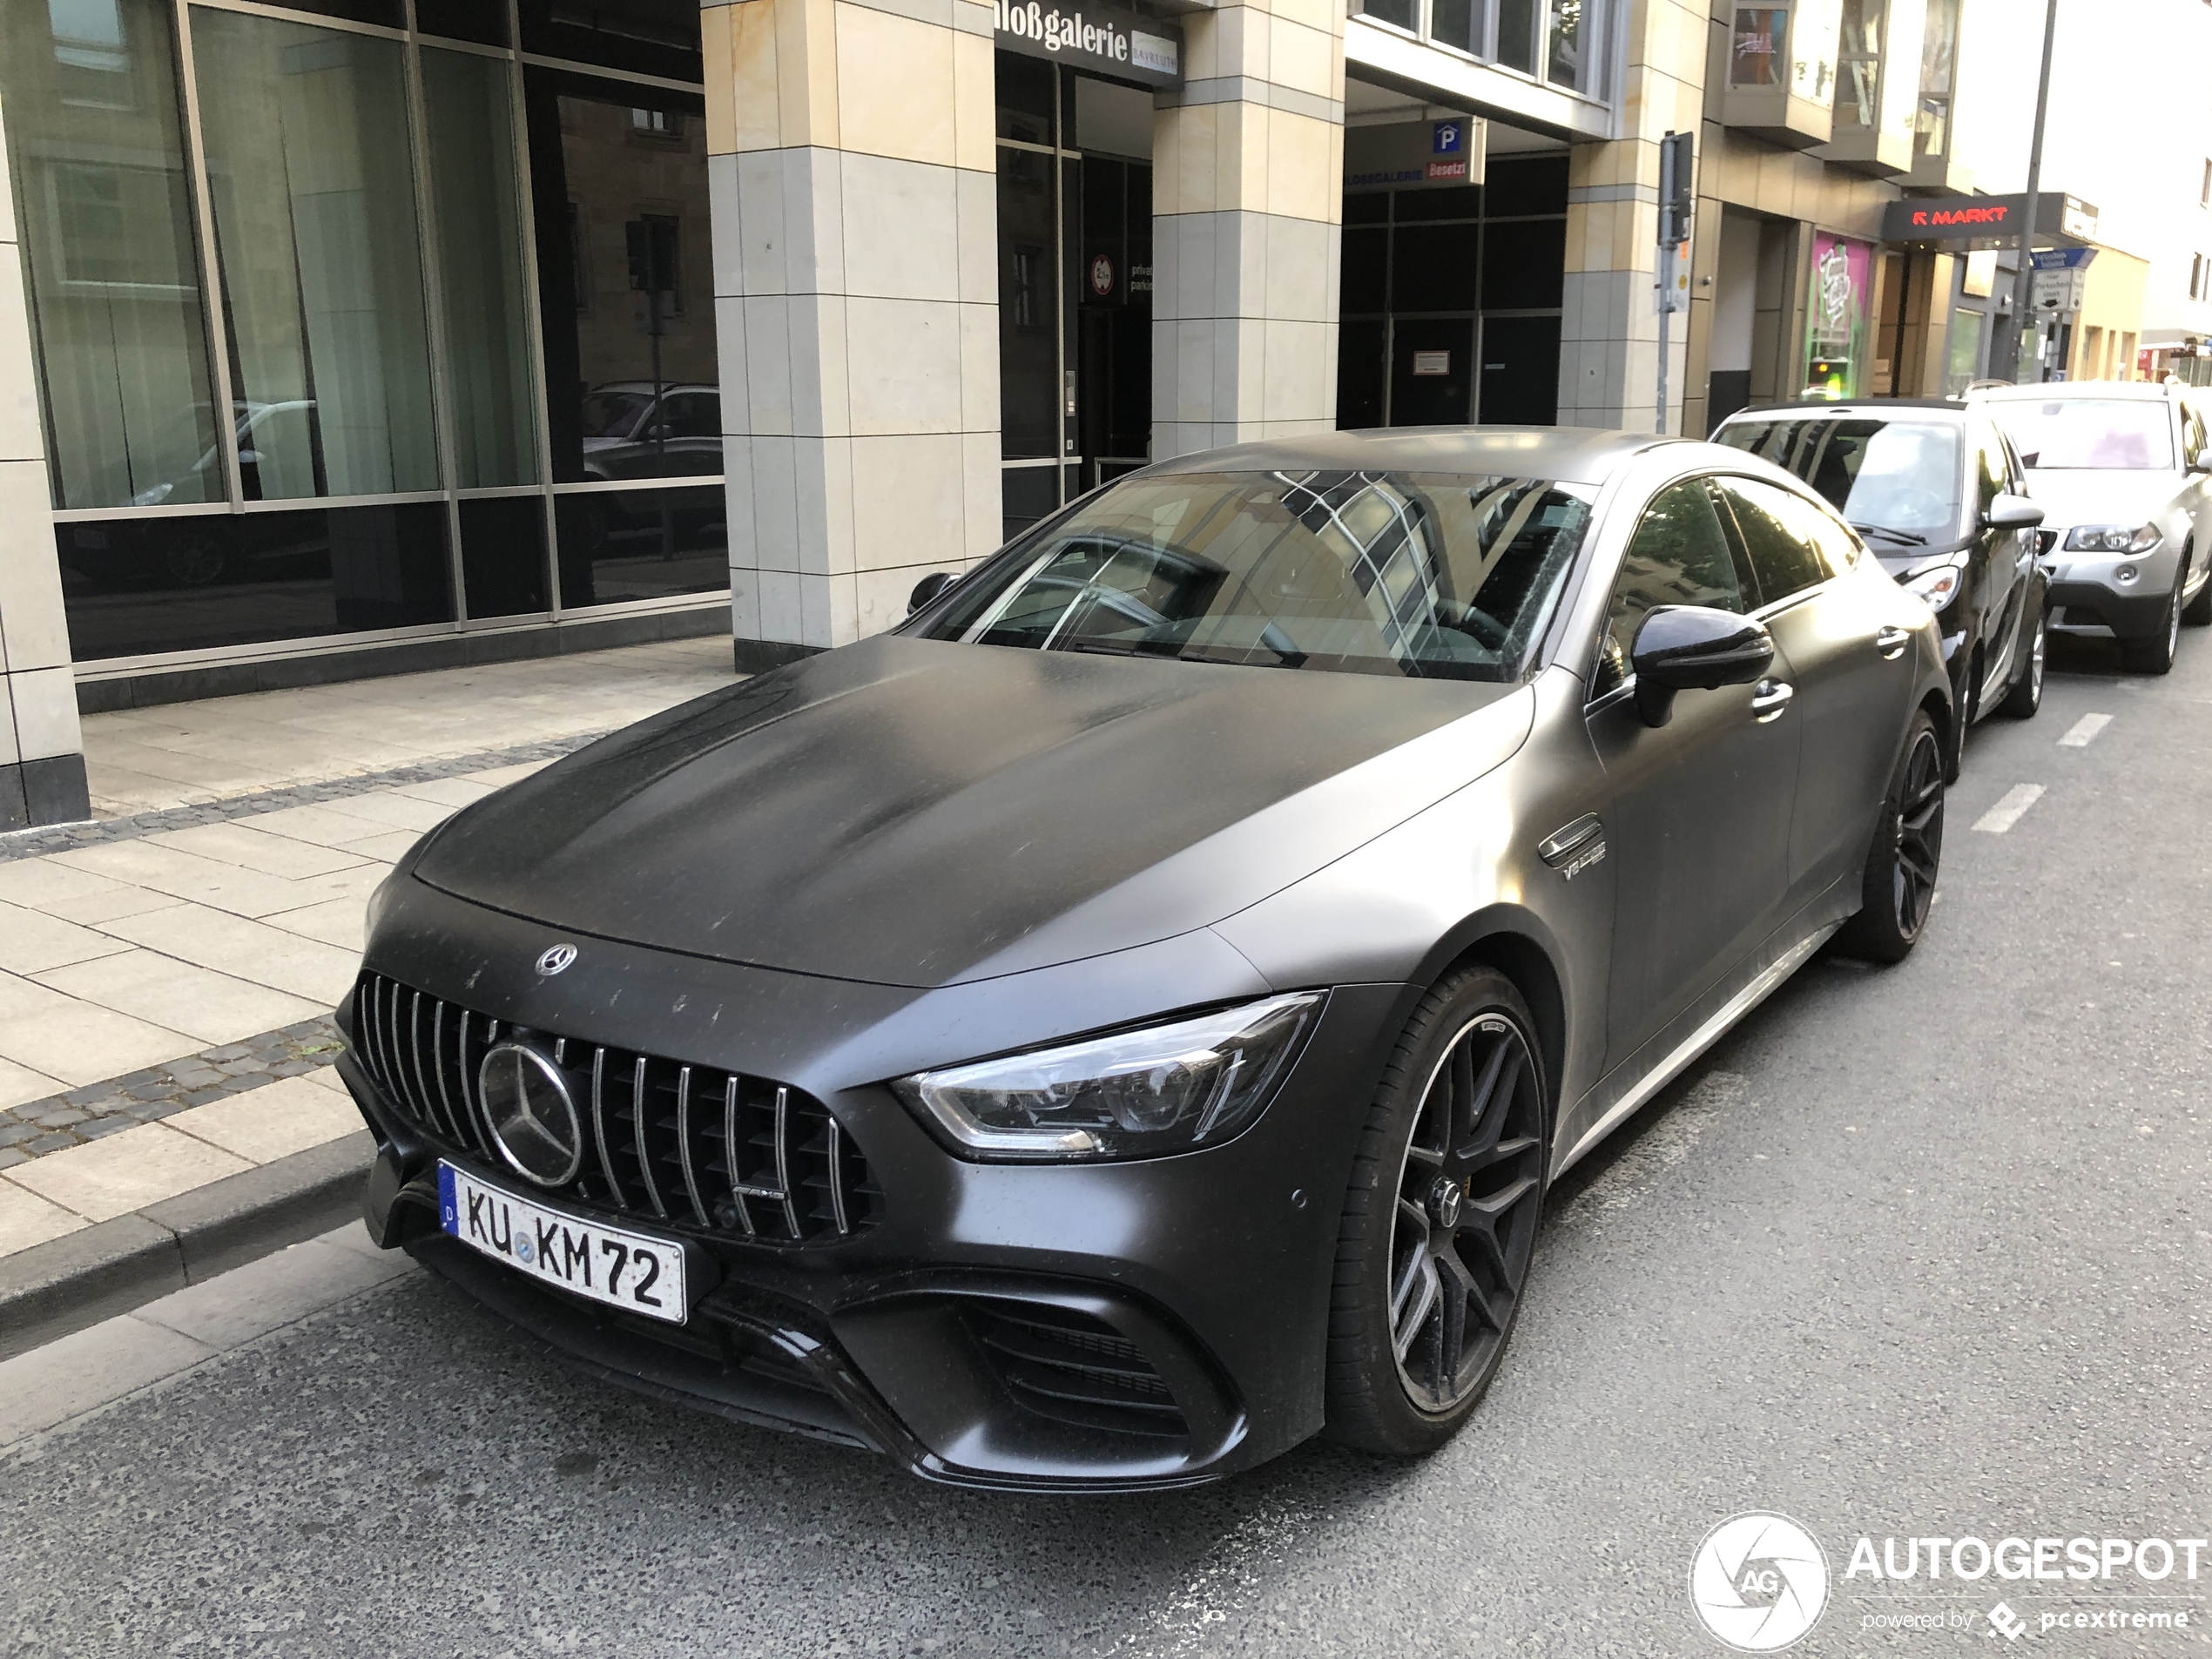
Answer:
(1758, 1582)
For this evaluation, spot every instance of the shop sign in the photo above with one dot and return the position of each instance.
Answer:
(1963, 219)
(1427, 363)
(1836, 317)
(1105, 39)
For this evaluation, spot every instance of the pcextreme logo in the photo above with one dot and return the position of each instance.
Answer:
(1758, 1582)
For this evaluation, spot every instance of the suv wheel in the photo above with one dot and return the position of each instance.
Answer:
(1439, 1221)
(2155, 655)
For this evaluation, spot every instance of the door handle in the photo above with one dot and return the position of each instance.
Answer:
(1769, 699)
(1890, 641)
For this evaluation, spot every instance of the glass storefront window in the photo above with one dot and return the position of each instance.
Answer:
(95, 142)
(1836, 318)
(478, 20)
(1963, 363)
(619, 544)
(479, 221)
(314, 190)
(626, 278)
(193, 580)
(502, 555)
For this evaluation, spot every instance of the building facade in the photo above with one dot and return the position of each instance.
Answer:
(356, 335)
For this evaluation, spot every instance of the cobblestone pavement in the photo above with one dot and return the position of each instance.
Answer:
(63, 837)
(60, 1121)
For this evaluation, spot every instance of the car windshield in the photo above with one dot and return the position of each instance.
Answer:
(2088, 433)
(1900, 476)
(610, 414)
(1366, 572)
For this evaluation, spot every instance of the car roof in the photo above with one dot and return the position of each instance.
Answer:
(2049, 390)
(1572, 454)
(1810, 408)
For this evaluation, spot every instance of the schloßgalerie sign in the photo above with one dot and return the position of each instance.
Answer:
(1104, 38)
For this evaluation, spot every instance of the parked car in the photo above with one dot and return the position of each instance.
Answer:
(1938, 496)
(2123, 472)
(636, 429)
(1127, 1016)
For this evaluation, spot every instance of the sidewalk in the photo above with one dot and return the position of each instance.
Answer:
(167, 972)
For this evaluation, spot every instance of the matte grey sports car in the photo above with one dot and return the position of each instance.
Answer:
(1125, 1019)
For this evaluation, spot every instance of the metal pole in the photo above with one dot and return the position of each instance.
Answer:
(2024, 276)
(1666, 299)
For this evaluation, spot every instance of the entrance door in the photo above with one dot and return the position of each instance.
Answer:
(1520, 371)
(1113, 287)
(1431, 371)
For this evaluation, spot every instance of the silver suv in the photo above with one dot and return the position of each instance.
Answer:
(2123, 473)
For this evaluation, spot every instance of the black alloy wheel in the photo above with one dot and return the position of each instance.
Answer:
(1899, 887)
(2027, 695)
(1440, 1223)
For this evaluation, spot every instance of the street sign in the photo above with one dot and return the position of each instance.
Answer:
(2058, 290)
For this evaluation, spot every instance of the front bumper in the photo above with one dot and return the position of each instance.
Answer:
(2095, 609)
(1103, 1327)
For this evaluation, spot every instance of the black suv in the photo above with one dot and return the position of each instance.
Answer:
(1936, 492)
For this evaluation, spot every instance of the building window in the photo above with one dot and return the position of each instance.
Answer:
(1758, 46)
(1554, 41)
(280, 276)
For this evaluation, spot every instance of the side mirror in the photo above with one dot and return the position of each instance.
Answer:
(2013, 513)
(927, 589)
(1682, 648)
(2201, 461)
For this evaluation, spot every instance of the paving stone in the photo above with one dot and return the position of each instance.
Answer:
(66, 1117)
(11, 1155)
(100, 1126)
(11, 1133)
(48, 1144)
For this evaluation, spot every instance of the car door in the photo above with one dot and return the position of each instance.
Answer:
(2006, 558)
(1831, 625)
(1697, 811)
(2196, 486)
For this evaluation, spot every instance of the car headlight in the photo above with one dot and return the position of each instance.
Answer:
(1136, 1094)
(2112, 538)
(1938, 587)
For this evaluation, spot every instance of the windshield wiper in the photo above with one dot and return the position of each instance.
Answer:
(1909, 538)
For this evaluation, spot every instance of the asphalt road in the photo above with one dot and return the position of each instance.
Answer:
(1918, 1251)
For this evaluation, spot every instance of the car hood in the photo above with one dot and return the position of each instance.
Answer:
(2073, 496)
(921, 812)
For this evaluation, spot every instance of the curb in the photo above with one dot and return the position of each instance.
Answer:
(113, 1267)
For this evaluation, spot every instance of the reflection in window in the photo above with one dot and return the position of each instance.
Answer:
(1446, 577)
(314, 207)
(109, 265)
(1678, 556)
(1938, 58)
(474, 190)
(1517, 33)
(184, 582)
(641, 544)
(1861, 61)
(1566, 55)
(630, 363)
(1755, 46)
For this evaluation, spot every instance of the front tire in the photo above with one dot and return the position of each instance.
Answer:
(2155, 655)
(1439, 1220)
(2027, 695)
(1898, 885)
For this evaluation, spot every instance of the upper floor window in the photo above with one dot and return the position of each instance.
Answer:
(1554, 41)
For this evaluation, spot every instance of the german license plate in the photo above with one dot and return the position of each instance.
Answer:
(633, 1272)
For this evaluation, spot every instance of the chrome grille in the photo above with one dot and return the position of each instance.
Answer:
(718, 1152)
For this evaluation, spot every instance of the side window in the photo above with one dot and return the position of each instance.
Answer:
(2193, 440)
(1990, 476)
(1678, 556)
(1791, 544)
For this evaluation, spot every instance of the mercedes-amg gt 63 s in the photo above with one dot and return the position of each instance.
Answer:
(1124, 1021)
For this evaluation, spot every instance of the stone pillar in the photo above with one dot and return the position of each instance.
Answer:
(1608, 348)
(41, 754)
(1248, 198)
(854, 186)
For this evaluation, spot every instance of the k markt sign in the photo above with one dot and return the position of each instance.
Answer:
(1104, 38)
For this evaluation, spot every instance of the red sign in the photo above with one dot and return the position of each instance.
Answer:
(1995, 215)
(1102, 275)
(1449, 171)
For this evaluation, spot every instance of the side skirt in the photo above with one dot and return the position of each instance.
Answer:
(1698, 1041)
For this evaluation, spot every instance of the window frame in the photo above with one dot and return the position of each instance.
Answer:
(1704, 475)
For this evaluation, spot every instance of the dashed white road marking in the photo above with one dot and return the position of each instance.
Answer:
(2084, 731)
(2008, 809)
(1666, 1144)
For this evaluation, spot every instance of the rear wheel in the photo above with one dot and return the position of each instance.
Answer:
(1440, 1222)
(1899, 886)
(2027, 695)
(2155, 655)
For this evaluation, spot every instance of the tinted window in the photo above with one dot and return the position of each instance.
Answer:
(1790, 546)
(1679, 556)
(1990, 478)
(1426, 575)
(2096, 434)
(1880, 475)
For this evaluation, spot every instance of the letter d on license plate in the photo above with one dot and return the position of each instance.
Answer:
(634, 1271)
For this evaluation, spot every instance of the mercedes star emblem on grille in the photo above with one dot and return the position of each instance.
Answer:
(533, 1115)
(555, 959)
